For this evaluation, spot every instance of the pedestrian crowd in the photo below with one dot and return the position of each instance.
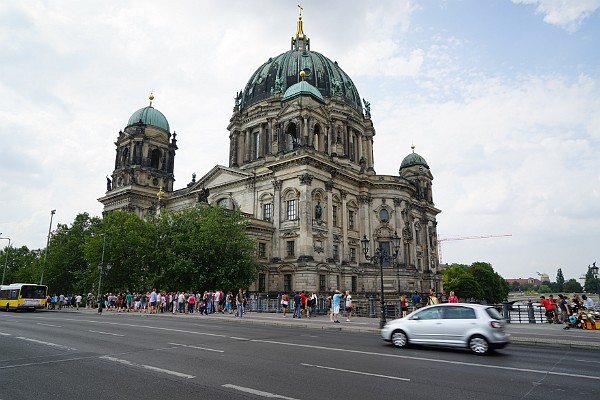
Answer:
(570, 312)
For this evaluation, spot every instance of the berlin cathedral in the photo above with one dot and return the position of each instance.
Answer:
(301, 169)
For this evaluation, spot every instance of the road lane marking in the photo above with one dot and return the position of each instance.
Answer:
(348, 350)
(54, 326)
(44, 362)
(356, 372)
(105, 333)
(60, 346)
(197, 347)
(150, 367)
(438, 360)
(588, 361)
(5, 334)
(239, 338)
(257, 392)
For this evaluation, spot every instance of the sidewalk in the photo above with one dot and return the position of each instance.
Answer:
(527, 334)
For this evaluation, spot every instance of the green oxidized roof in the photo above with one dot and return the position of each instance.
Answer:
(302, 88)
(413, 159)
(149, 116)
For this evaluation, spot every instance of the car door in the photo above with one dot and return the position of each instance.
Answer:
(457, 322)
(425, 325)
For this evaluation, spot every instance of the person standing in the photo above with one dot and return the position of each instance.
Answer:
(303, 299)
(335, 306)
(348, 306)
(78, 301)
(313, 303)
(239, 302)
(403, 306)
(565, 311)
(284, 303)
(432, 299)
(452, 298)
(415, 299)
(297, 305)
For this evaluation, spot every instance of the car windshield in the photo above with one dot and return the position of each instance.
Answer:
(493, 313)
(428, 313)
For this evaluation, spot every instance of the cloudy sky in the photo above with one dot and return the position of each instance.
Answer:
(501, 97)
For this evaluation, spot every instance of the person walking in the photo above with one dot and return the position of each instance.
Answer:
(432, 299)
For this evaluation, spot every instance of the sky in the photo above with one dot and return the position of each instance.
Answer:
(501, 97)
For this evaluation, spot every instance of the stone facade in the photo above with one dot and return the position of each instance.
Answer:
(301, 168)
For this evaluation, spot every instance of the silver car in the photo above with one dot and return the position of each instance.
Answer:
(476, 327)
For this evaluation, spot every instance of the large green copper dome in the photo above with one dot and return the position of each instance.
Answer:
(149, 116)
(300, 64)
(413, 159)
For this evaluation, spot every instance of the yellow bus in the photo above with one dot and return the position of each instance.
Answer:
(23, 296)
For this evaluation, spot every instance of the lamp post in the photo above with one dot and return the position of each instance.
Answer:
(594, 271)
(5, 258)
(381, 256)
(102, 271)
(52, 212)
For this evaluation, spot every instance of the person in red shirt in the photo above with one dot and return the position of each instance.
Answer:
(548, 305)
(302, 304)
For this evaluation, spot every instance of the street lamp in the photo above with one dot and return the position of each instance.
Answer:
(381, 256)
(594, 271)
(52, 212)
(102, 271)
(6, 258)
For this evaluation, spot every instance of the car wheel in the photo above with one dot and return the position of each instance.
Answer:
(399, 339)
(479, 345)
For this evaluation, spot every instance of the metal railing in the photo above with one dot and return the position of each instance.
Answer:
(512, 313)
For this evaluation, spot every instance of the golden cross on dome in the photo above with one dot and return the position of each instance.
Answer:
(300, 10)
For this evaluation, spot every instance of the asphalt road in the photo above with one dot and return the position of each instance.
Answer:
(54, 355)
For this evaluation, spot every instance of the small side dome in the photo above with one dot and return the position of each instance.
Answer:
(412, 160)
(149, 116)
(302, 88)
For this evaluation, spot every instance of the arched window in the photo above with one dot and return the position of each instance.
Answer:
(155, 158)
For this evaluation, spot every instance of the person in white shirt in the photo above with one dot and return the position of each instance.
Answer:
(77, 300)
(587, 302)
(348, 306)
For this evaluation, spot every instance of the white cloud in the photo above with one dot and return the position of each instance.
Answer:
(567, 14)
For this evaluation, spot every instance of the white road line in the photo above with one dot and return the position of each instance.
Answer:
(257, 392)
(535, 371)
(5, 334)
(54, 326)
(60, 346)
(240, 338)
(150, 367)
(44, 362)
(357, 372)
(105, 333)
(588, 361)
(197, 347)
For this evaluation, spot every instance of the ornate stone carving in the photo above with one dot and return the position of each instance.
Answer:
(276, 184)
(329, 185)
(306, 179)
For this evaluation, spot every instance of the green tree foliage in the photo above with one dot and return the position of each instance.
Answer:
(515, 286)
(572, 286)
(205, 248)
(66, 255)
(560, 280)
(22, 264)
(478, 281)
(544, 288)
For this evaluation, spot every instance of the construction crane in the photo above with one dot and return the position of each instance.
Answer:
(439, 241)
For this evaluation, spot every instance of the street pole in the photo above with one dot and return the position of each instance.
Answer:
(5, 258)
(52, 212)
(381, 256)
(101, 271)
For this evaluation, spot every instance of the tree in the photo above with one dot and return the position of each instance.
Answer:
(560, 280)
(544, 289)
(205, 248)
(591, 283)
(515, 286)
(572, 286)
